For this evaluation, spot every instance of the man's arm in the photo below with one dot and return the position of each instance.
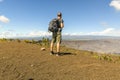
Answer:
(62, 25)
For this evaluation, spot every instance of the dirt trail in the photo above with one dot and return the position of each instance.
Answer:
(22, 61)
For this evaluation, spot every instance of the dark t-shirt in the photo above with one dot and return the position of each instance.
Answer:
(59, 22)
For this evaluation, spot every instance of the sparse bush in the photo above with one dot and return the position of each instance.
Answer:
(27, 41)
(11, 39)
(96, 56)
(119, 57)
(33, 41)
(105, 57)
(18, 40)
(91, 52)
(45, 41)
(3, 39)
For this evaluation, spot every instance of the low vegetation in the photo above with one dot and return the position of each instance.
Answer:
(45, 42)
(107, 57)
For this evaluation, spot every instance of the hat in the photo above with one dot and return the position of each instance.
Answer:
(59, 14)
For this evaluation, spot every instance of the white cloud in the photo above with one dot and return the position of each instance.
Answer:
(115, 4)
(19, 35)
(12, 33)
(106, 32)
(73, 34)
(38, 33)
(4, 19)
(6, 34)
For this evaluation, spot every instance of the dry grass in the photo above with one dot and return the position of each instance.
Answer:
(23, 61)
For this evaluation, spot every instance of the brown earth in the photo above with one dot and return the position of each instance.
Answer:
(22, 61)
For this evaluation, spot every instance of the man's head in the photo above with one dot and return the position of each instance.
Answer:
(59, 15)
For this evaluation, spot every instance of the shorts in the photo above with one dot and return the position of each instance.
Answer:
(56, 37)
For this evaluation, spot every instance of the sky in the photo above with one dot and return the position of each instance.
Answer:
(30, 18)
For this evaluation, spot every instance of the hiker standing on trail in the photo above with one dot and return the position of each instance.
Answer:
(56, 33)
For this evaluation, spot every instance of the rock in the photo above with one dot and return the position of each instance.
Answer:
(43, 49)
(31, 65)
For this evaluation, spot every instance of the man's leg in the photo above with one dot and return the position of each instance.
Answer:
(58, 43)
(58, 47)
(51, 46)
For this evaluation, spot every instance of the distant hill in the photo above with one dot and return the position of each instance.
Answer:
(110, 46)
(73, 37)
(88, 37)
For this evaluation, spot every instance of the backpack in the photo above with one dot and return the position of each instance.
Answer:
(53, 25)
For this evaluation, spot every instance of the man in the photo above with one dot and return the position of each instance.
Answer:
(56, 36)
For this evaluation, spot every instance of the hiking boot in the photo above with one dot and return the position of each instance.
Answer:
(58, 54)
(51, 53)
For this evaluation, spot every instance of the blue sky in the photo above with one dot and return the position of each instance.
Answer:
(29, 18)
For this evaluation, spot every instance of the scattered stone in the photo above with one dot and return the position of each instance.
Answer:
(3, 57)
(43, 49)
(31, 65)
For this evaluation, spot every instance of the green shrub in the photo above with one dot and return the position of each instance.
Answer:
(3, 39)
(45, 41)
(11, 39)
(33, 41)
(27, 41)
(105, 57)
